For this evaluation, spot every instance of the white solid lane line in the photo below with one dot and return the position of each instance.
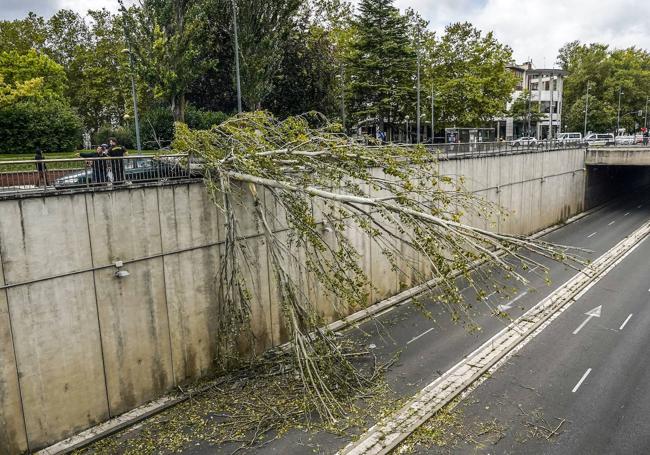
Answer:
(420, 335)
(584, 376)
(611, 223)
(592, 234)
(625, 322)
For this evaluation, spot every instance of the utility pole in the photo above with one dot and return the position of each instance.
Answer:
(618, 115)
(550, 121)
(134, 92)
(587, 110)
(645, 122)
(234, 21)
(433, 118)
(417, 49)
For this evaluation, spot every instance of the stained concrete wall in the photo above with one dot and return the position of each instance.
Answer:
(78, 346)
(618, 156)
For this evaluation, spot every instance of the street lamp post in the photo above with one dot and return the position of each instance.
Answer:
(586, 109)
(408, 128)
(134, 94)
(237, 76)
(433, 114)
(618, 118)
(418, 102)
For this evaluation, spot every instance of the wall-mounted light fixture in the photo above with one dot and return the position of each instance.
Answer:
(120, 273)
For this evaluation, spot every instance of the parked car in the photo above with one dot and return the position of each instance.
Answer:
(135, 170)
(625, 140)
(524, 141)
(569, 138)
(600, 139)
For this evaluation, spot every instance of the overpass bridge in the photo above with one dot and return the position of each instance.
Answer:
(618, 156)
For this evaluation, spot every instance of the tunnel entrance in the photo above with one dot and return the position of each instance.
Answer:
(607, 182)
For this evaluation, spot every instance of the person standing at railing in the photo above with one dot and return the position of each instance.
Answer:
(117, 165)
(99, 166)
(41, 167)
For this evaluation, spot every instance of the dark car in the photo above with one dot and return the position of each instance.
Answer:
(137, 169)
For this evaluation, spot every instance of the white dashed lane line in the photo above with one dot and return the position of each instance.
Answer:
(582, 379)
(591, 235)
(625, 322)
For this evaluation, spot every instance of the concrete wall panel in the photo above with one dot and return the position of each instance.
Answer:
(192, 287)
(34, 231)
(124, 225)
(13, 438)
(188, 217)
(135, 334)
(58, 353)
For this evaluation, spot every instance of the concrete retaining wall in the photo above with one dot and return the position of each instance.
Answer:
(78, 346)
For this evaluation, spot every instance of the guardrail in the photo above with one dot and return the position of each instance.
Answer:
(51, 175)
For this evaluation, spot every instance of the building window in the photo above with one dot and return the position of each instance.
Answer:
(534, 86)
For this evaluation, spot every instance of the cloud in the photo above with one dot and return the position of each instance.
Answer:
(533, 28)
(17, 9)
(537, 29)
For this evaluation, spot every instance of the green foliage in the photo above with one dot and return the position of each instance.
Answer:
(19, 68)
(606, 71)
(33, 109)
(469, 75)
(49, 124)
(523, 110)
(21, 35)
(157, 124)
(162, 36)
(381, 63)
(124, 135)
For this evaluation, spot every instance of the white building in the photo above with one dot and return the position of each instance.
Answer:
(545, 87)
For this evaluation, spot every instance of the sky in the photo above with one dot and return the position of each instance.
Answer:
(534, 29)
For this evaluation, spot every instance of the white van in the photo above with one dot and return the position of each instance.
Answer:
(569, 138)
(600, 139)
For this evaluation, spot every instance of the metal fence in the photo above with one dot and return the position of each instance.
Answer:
(475, 149)
(51, 175)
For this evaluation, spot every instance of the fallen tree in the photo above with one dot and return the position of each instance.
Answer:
(310, 187)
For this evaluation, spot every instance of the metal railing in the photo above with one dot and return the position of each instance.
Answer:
(52, 175)
(475, 149)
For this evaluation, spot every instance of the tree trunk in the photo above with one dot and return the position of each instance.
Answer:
(178, 107)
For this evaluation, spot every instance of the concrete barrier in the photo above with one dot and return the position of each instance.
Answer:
(78, 345)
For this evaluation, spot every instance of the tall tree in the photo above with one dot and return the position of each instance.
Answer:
(608, 73)
(162, 35)
(469, 73)
(21, 35)
(33, 108)
(381, 63)
(264, 28)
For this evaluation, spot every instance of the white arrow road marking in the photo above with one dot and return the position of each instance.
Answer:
(595, 313)
(611, 223)
(582, 379)
(625, 322)
(508, 305)
(419, 336)
(592, 234)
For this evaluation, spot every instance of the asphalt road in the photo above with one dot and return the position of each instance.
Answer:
(591, 377)
(611, 400)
